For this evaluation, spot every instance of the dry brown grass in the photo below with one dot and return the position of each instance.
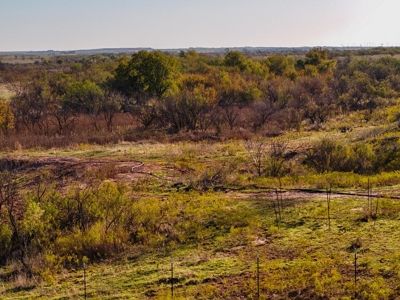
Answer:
(21, 59)
(5, 93)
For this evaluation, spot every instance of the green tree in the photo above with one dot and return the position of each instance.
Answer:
(359, 92)
(13, 211)
(236, 59)
(151, 73)
(279, 65)
(86, 98)
(63, 113)
(318, 57)
(328, 155)
(189, 110)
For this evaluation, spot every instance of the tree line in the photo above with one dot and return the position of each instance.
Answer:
(193, 92)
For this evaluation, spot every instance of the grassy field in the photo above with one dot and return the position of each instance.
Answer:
(21, 59)
(220, 231)
(5, 93)
(24, 59)
(214, 217)
(299, 257)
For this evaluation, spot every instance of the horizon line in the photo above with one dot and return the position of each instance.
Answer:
(200, 47)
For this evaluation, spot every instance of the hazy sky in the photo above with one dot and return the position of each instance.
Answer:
(87, 24)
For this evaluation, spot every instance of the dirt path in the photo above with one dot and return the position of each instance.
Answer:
(66, 170)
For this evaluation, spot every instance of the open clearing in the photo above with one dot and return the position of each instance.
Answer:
(298, 247)
(5, 93)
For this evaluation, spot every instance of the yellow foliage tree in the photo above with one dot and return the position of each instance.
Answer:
(6, 117)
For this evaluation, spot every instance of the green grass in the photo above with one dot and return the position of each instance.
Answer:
(302, 257)
(225, 231)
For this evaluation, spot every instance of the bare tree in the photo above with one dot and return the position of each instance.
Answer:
(231, 102)
(277, 157)
(12, 211)
(30, 103)
(111, 105)
(276, 96)
(257, 149)
(268, 157)
(142, 108)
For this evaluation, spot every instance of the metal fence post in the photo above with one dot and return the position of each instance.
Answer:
(172, 278)
(355, 272)
(258, 276)
(84, 279)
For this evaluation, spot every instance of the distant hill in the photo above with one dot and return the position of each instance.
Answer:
(172, 50)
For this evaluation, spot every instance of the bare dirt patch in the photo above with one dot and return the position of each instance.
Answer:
(66, 170)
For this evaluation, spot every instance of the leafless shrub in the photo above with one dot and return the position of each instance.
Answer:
(268, 157)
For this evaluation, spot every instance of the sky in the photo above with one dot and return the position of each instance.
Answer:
(35, 25)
